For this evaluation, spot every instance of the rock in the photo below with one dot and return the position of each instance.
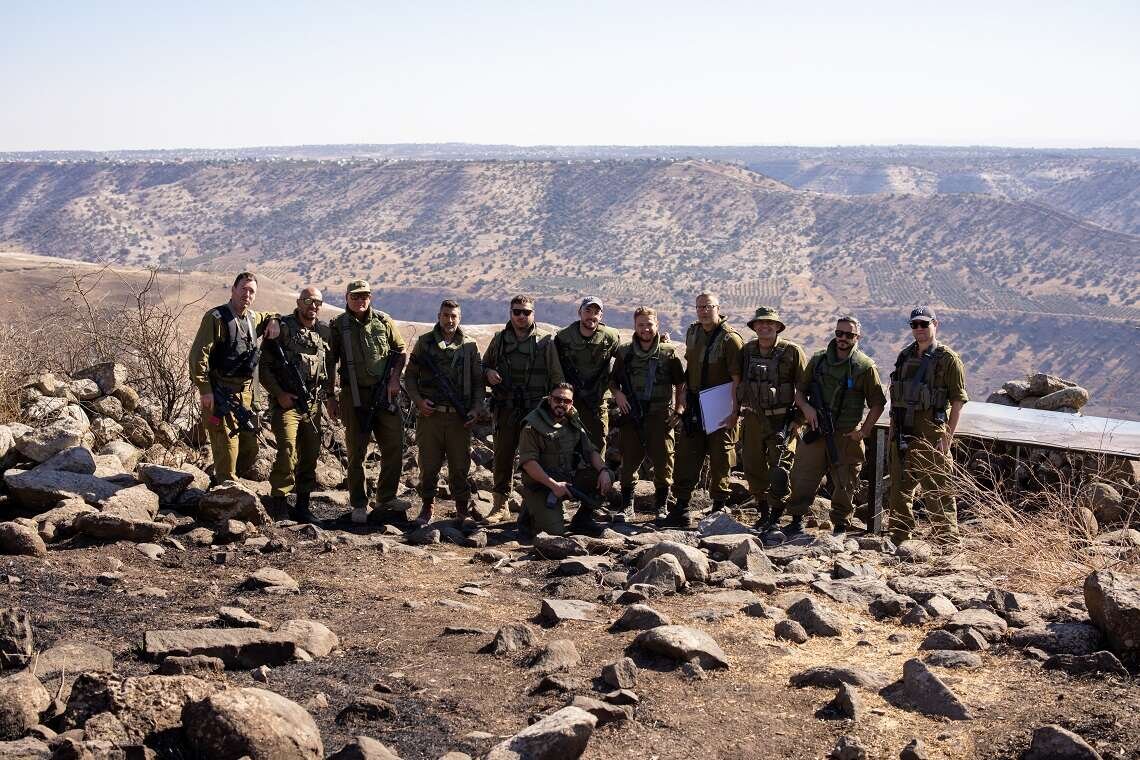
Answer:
(880, 600)
(363, 748)
(942, 640)
(914, 551)
(124, 452)
(621, 674)
(135, 503)
(78, 459)
(109, 526)
(1016, 389)
(915, 616)
(558, 682)
(512, 637)
(232, 501)
(1041, 384)
(605, 712)
(198, 664)
(989, 625)
(692, 560)
(682, 644)
(1087, 664)
(584, 565)
(17, 538)
(105, 430)
(929, 695)
(272, 581)
(719, 524)
(557, 547)
(946, 658)
(71, 657)
(556, 611)
(1059, 638)
(1113, 602)
(640, 617)
(559, 736)
(41, 444)
(915, 750)
(940, 606)
(59, 523)
(167, 482)
(817, 619)
(848, 748)
(1055, 743)
(241, 648)
(1074, 398)
(559, 654)
(750, 556)
(1107, 504)
(664, 573)
(251, 722)
(831, 677)
(150, 551)
(146, 706)
(38, 489)
(28, 748)
(365, 708)
(790, 630)
(17, 642)
(311, 636)
(22, 699)
(962, 589)
(109, 376)
(236, 617)
(845, 705)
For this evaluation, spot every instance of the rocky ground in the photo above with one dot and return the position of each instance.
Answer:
(146, 614)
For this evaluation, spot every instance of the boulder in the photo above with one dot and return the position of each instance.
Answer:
(750, 556)
(928, 694)
(831, 677)
(315, 638)
(167, 482)
(121, 526)
(950, 658)
(84, 390)
(692, 560)
(992, 627)
(59, 523)
(584, 565)
(1113, 602)
(272, 580)
(41, 444)
(28, 748)
(720, 523)
(22, 699)
(232, 501)
(124, 452)
(109, 376)
(71, 657)
(253, 723)
(17, 538)
(38, 489)
(17, 641)
(138, 431)
(364, 748)
(1016, 389)
(147, 706)
(75, 459)
(816, 618)
(663, 572)
(683, 644)
(620, 674)
(109, 408)
(559, 736)
(1106, 503)
(640, 617)
(1041, 384)
(790, 630)
(556, 611)
(241, 648)
(105, 430)
(1059, 638)
(557, 547)
(512, 637)
(845, 705)
(559, 654)
(1056, 743)
(1074, 397)
(1087, 664)
(605, 712)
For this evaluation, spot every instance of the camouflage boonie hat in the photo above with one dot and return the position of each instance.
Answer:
(358, 286)
(765, 314)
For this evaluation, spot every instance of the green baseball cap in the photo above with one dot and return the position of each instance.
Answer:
(765, 314)
(358, 286)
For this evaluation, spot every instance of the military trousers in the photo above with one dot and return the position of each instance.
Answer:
(596, 419)
(659, 445)
(719, 446)
(508, 427)
(232, 454)
(298, 447)
(842, 477)
(388, 428)
(545, 519)
(927, 468)
(441, 436)
(767, 464)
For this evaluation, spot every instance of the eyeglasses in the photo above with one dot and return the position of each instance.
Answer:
(561, 400)
(522, 312)
(704, 307)
(312, 301)
(919, 325)
(358, 296)
(845, 334)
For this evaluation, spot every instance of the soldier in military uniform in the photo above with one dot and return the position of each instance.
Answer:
(651, 374)
(843, 381)
(297, 356)
(223, 360)
(928, 391)
(556, 452)
(586, 348)
(712, 358)
(367, 347)
(521, 366)
(772, 368)
(445, 381)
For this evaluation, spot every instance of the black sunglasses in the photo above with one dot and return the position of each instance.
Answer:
(312, 301)
(522, 312)
(845, 334)
(918, 324)
(562, 400)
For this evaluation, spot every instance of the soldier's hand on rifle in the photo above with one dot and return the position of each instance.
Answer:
(944, 442)
(621, 401)
(493, 377)
(286, 400)
(393, 389)
(811, 418)
(272, 329)
(206, 400)
(333, 408)
(425, 407)
(559, 489)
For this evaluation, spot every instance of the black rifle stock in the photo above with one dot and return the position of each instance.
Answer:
(444, 383)
(227, 402)
(294, 380)
(636, 415)
(824, 420)
(379, 397)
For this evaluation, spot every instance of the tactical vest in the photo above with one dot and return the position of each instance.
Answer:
(590, 357)
(564, 451)
(717, 372)
(636, 363)
(767, 385)
(913, 385)
(522, 365)
(453, 360)
(305, 349)
(235, 356)
(834, 378)
(369, 340)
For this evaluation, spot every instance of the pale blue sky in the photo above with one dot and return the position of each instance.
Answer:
(118, 75)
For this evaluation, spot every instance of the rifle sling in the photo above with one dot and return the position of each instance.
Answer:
(350, 363)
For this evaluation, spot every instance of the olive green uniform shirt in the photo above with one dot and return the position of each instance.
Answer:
(590, 357)
(371, 339)
(865, 390)
(306, 349)
(724, 358)
(211, 332)
(556, 446)
(457, 360)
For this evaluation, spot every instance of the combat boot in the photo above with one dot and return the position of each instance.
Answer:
(796, 526)
(462, 511)
(661, 501)
(360, 515)
(675, 517)
(719, 505)
(425, 515)
(773, 521)
(583, 522)
(500, 511)
(840, 528)
(763, 513)
(301, 511)
(626, 513)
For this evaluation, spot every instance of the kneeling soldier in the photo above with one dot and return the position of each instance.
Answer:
(772, 368)
(559, 462)
(648, 384)
(293, 371)
(445, 381)
(840, 381)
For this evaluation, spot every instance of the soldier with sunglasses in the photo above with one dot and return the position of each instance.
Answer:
(848, 382)
(521, 366)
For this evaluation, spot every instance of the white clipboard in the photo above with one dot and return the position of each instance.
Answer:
(716, 404)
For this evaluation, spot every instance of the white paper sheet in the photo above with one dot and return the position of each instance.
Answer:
(716, 404)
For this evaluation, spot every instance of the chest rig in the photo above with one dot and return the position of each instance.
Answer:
(914, 388)
(766, 390)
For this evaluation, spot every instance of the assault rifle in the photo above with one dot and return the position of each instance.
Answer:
(583, 393)
(576, 494)
(636, 415)
(380, 400)
(824, 420)
(294, 380)
(443, 382)
(691, 418)
(228, 402)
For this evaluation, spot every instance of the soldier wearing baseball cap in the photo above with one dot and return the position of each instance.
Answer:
(367, 348)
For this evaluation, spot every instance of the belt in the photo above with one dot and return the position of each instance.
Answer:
(445, 409)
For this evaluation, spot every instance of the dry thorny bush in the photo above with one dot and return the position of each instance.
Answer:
(97, 321)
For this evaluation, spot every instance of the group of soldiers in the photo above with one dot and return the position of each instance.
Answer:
(796, 419)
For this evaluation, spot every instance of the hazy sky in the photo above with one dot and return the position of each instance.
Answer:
(157, 74)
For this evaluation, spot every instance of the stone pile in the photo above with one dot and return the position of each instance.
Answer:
(1042, 391)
